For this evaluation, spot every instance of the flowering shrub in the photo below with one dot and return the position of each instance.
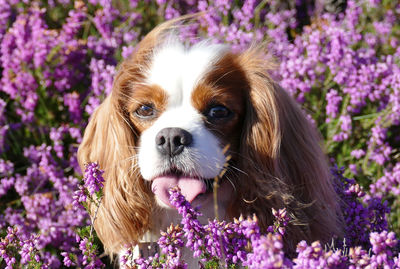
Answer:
(57, 62)
(219, 244)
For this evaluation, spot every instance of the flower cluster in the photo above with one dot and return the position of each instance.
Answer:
(339, 59)
(12, 246)
(362, 214)
(217, 243)
(88, 195)
(92, 184)
(281, 221)
(241, 243)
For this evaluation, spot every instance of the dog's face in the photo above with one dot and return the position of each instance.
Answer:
(189, 106)
(171, 115)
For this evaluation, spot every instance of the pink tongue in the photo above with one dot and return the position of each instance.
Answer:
(190, 187)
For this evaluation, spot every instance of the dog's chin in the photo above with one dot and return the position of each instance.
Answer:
(194, 189)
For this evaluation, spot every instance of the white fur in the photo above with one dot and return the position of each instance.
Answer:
(203, 159)
(177, 71)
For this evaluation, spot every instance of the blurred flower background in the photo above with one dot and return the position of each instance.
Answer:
(339, 59)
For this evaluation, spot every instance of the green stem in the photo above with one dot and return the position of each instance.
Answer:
(257, 12)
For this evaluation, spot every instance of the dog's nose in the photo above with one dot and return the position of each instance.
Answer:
(172, 141)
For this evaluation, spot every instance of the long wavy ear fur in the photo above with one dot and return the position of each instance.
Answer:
(110, 139)
(282, 160)
(123, 215)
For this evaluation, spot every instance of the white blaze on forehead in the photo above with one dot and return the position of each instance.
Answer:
(177, 69)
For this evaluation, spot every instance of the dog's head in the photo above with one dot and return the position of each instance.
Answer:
(173, 112)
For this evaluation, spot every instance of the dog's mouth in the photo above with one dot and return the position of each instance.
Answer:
(190, 186)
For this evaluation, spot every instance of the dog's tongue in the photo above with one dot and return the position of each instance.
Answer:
(190, 187)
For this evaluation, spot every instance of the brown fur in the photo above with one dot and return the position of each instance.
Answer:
(110, 139)
(274, 146)
(225, 84)
(283, 160)
(144, 95)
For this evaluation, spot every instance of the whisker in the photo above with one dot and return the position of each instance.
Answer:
(231, 182)
(239, 170)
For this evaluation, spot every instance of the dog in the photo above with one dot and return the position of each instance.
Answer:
(177, 116)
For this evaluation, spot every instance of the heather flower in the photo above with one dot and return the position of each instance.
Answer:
(267, 252)
(102, 79)
(358, 258)
(27, 249)
(151, 262)
(72, 101)
(5, 244)
(360, 219)
(73, 23)
(5, 185)
(358, 153)
(226, 241)
(93, 178)
(389, 182)
(5, 16)
(333, 102)
(171, 243)
(90, 258)
(345, 126)
(90, 190)
(281, 220)
(58, 64)
(25, 46)
(314, 256)
(67, 260)
(6, 181)
(382, 243)
(192, 228)
(127, 51)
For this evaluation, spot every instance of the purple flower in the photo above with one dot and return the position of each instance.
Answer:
(343, 68)
(73, 102)
(90, 258)
(193, 230)
(267, 253)
(67, 260)
(358, 153)
(102, 79)
(171, 243)
(23, 49)
(333, 102)
(382, 243)
(281, 220)
(359, 219)
(93, 179)
(345, 127)
(314, 256)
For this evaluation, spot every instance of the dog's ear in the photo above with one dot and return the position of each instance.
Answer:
(125, 209)
(282, 159)
(110, 139)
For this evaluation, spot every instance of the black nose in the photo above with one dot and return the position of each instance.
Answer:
(172, 141)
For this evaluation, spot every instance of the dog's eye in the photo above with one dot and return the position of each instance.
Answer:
(145, 111)
(218, 112)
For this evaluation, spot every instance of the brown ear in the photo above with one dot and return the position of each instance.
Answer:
(282, 159)
(109, 140)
